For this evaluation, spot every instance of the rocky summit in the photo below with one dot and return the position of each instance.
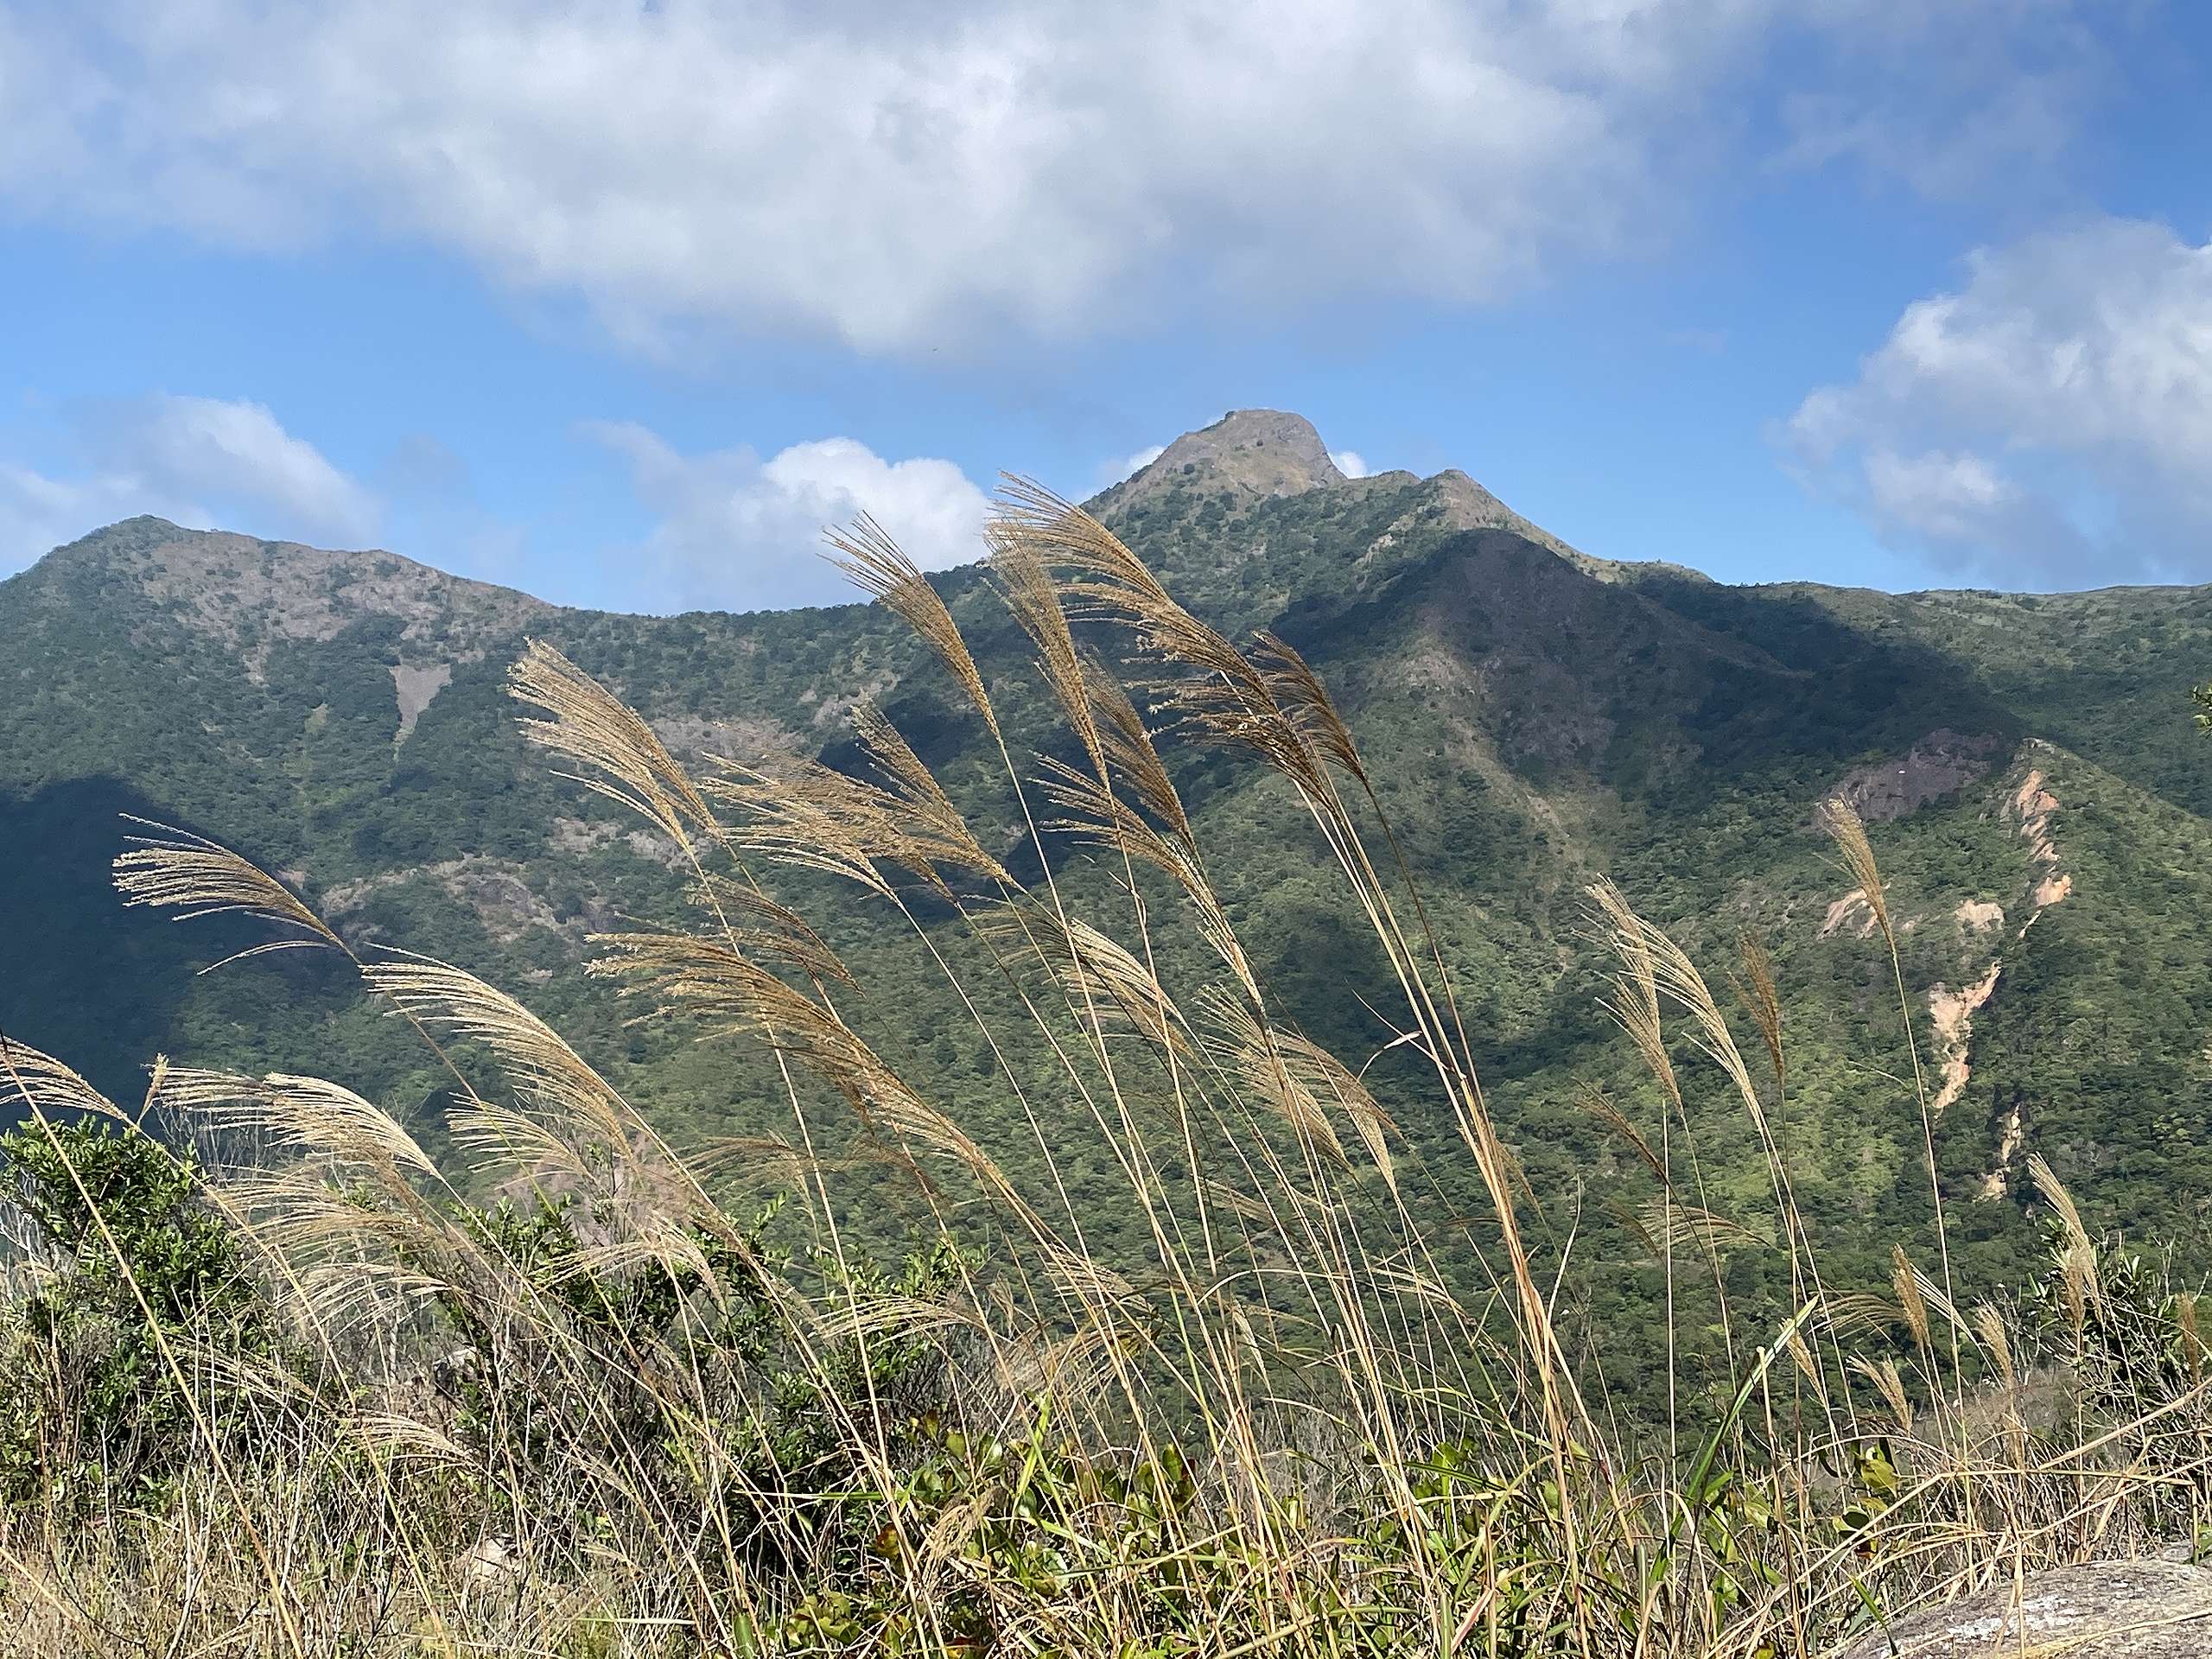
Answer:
(1246, 452)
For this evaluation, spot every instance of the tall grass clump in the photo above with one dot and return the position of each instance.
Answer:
(278, 1381)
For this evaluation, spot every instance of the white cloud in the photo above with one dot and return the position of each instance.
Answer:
(40, 512)
(1111, 473)
(2049, 421)
(1350, 462)
(904, 177)
(736, 532)
(238, 451)
(201, 461)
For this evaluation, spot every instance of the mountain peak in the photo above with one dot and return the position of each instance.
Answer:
(240, 588)
(1257, 452)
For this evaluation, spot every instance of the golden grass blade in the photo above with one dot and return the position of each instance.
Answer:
(805, 817)
(919, 798)
(1857, 1310)
(736, 995)
(658, 1247)
(1757, 988)
(2079, 1263)
(1085, 1279)
(1241, 1204)
(622, 758)
(915, 1121)
(1908, 1280)
(399, 1435)
(44, 1083)
(1600, 1104)
(1634, 1004)
(1883, 1374)
(811, 816)
(1927, 1295)
(1226, 698)
(536, 1153)
(1091, 968)
(537, 1064)
(1677, 977)
(1133, 757)
(1247, 1047)
(1996, 1343)
(1692, 1228)
(707, 981)
(305, 1115)
(750, 1163)
(1098, 817)
(2053, 1192)
(1846, 829)
(1328, 1079)
(901, 1317)
(785, 934)
(352, 1260)
(873, 563)
(1303, 699)
(1028, 591)
(175, 869)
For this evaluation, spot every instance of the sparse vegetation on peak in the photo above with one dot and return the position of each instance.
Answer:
(1246, 452)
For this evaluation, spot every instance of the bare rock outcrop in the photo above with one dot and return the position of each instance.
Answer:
(1940, 763)
(2031, 805)
(1851, 912)
(415, 686)
(248, 593)
(2113, 1610)
(1256, 452)
(1952, 1013)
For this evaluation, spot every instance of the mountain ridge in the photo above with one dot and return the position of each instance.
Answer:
(1533, 719)
(1250, 452)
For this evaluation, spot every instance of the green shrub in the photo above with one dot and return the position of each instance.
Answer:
(139, 1276)
(583, 1381)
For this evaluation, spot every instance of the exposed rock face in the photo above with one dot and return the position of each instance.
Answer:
(1468, 505)
(1941, 764)
(415, 686)
(2115, 1609)
(228, 584)
(1999, 1181)
(690, 737)
(1252, 451)
(1852, 911)
(493, 888)
(1953, 1013)
(2032, 803)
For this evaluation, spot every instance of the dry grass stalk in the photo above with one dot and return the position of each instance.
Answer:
(172, 869)
(875, 564)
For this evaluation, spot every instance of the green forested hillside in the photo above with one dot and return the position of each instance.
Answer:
(1533, 719)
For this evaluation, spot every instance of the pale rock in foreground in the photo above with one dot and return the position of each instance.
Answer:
(2114, 1610)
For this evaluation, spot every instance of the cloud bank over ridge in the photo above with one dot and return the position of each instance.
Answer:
(906, 178)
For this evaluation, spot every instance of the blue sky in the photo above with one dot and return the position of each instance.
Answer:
(619, 303)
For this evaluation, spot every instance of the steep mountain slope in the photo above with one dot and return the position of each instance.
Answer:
(1535, 717)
